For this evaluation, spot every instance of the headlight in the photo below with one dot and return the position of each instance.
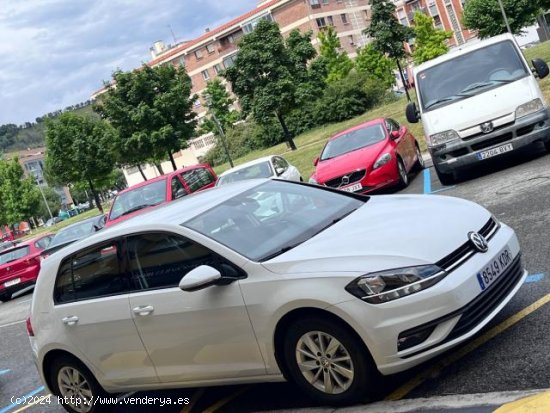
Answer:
(382, 160)
(529, 107)
(312, 180)
(384, 286)
(442, 137)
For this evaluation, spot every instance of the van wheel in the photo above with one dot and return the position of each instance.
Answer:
(76, 386)
(329, 363)
(446, 179)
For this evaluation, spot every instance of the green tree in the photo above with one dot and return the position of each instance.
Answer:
(430, 42)
(219, 104)
(387, 33)
(19, 196)
(79, 151)
(373, 63)
(268, 71)
(485, 16)
(151, 110)
(338, 63)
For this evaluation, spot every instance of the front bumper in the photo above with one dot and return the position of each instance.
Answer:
(446, 304)
(463, 153)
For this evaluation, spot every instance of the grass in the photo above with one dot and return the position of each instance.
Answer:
(310, 143)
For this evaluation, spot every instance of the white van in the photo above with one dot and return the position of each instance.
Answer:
(479, 101)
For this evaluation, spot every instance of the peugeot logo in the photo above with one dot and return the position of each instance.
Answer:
(479, 241)
(345, 180)
(487, 127)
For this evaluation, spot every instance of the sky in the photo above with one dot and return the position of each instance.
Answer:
(56, 53)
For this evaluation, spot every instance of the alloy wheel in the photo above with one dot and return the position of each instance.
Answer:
(75, 389)
(324, 362)
(420, 159)
(402, 173)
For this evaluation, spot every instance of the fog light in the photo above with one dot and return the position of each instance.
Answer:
(414, 337)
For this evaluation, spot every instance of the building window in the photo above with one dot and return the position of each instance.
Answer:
(321, 23)
(231, 39)
(210, 48)
(198, 103)
(229, 61)
(182, 61)
(437, 22)
(330, 21)
(350, 39)
(248, 27)
(402, 17)
(218, 68)
(344, 18)
(325, 2)
(205, 74)
(433, 9)
(314, 4)
(198, 54)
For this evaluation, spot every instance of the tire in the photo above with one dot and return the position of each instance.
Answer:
(5, 297)
(446, 179)
(419, 165)
(547, 145)
(403, 176)
(70, 395)
(364, 380)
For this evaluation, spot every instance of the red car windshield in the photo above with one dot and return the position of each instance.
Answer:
(139, 198)
(14, 254)
(353, 140)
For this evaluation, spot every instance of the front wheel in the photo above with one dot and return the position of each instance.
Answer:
(547, 145)
(329, 363)
(445, 178)
(76, 386)
(403, 176)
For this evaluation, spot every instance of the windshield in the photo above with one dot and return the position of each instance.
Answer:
(470, 74)
(258, 171)
(273, 217)
(13, 255)
(352, 141)
(139, 198)
(73, 233)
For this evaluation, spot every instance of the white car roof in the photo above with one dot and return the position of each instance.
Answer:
(247, 164)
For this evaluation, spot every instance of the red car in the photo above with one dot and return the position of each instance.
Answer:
(20, 265)
(145, 195)
(371, 156)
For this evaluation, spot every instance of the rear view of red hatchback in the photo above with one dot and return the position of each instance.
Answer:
(145, 195)
(20, 265)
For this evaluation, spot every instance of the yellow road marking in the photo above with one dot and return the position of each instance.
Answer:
(194, 399)
(223, 402)
(26, 406)
(493, 332)
(539, 403)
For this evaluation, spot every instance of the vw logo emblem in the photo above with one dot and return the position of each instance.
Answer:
(479, 241)
(487, 127)
(345, 180)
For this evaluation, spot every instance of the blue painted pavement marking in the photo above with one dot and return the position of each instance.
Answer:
(4, 371)
(21, 400)
(427, 181)
(531, 279)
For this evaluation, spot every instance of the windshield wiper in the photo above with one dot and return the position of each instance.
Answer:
(137, 208)
(447, 99)
(280, 251)
(335, 221)
(480, 85)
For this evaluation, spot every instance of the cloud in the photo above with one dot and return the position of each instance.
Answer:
(58, 52)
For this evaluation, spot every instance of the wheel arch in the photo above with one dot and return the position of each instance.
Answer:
(51, 356)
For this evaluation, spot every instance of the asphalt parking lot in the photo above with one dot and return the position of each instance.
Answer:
(511, 354)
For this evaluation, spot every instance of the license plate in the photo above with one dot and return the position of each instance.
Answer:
(353, 188)
(12, 282)
(494, 269)
(495, 151)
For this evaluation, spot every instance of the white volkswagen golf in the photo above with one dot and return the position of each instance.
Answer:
(265, 280)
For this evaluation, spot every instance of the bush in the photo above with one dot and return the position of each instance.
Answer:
(349, 97)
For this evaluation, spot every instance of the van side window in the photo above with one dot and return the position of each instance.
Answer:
(92, 273)
(160, 260)
(197, 178)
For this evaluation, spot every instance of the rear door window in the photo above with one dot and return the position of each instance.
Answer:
(198, 178)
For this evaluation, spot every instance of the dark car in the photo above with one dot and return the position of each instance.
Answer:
(74, 232)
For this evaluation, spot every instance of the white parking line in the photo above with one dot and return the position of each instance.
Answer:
(12, 324)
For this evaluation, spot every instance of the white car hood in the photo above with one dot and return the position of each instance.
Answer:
(387, 232)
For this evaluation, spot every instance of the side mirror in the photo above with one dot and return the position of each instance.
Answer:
(395, 135)
(199, 278)
(315, 161)
(541, 68)
(412, 113)
(279, 171)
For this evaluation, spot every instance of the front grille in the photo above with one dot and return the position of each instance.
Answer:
(477, 135)
(352, 178)
(478, 309)
(466, 250)
(493, 141)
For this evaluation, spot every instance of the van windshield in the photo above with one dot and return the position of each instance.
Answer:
(470, 74)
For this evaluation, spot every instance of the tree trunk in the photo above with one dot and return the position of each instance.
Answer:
(174, 167)
(141, 172)
(159, 167)
(96, 196)
(403, 79)
(286, 132)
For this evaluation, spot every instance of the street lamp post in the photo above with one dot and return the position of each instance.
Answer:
(222, 134)
(44, 198)
(504, 16)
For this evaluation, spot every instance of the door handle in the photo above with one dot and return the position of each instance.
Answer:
(143, 310)
(70, 320)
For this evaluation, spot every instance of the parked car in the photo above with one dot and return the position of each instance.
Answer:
(368, 157)
(4, 245)
(145, 195)
(74, 232)
(267, 167)
(479, 102)
(20, 264)
(52, 221)
(328, 290)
